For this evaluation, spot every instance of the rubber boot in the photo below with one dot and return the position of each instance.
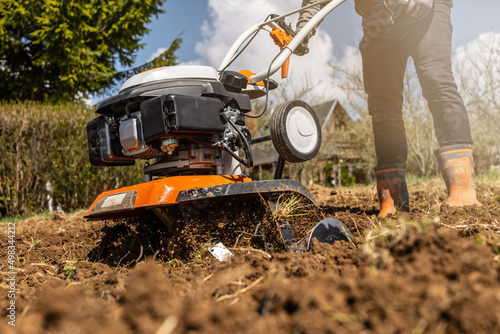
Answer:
(391, 189)
(456, 167)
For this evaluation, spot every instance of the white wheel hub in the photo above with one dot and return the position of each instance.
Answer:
(301, 130)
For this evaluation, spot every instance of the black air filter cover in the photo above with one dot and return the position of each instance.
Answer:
(104, 145)
(180, 114)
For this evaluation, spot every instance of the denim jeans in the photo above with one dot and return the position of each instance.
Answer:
(385, 50)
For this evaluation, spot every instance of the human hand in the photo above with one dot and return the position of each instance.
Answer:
(419, 8)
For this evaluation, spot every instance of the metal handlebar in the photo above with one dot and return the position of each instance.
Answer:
(287, 51)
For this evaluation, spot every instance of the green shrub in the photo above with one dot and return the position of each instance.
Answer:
(347, 180)
(42, 143)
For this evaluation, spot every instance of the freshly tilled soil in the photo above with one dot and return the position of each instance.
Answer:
(428, 271)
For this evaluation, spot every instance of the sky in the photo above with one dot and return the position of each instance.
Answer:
(209, 27)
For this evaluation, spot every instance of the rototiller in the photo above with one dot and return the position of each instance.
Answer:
(191, 121)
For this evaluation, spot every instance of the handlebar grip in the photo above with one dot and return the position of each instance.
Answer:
(284, 68)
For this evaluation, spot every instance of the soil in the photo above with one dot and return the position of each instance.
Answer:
(428, 271)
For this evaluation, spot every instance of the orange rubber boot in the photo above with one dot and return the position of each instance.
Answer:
(456, 167)
(391, 189)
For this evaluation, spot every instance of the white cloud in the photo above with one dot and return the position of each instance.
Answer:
(230, 18)
(477, 67)
(155, 54)
(349, 76)
(351, 59)
(479, 49)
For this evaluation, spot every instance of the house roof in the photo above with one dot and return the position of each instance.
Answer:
(332, 111)
(324, 112)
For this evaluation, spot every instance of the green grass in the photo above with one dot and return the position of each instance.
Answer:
(18, 218)
(412, 179)
(69, 271)
(45, 214)
(493, 176)
(287, 208)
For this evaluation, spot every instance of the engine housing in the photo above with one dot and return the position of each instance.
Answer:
(176, 121)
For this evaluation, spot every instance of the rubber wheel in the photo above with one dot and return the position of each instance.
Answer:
(295, 131)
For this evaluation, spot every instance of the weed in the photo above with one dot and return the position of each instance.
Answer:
(33, 244)
(477, 240)
(202, 250)
(287, 208)
(429, 209)
(42, 259)
(69, 271)
(174, 263)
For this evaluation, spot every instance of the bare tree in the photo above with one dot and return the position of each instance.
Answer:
(419, 128)
(289, 90)
(477, 69)
(350, 81)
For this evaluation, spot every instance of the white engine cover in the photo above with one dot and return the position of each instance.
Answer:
(172, 73)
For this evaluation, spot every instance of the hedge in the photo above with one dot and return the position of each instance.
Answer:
(44, 146)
